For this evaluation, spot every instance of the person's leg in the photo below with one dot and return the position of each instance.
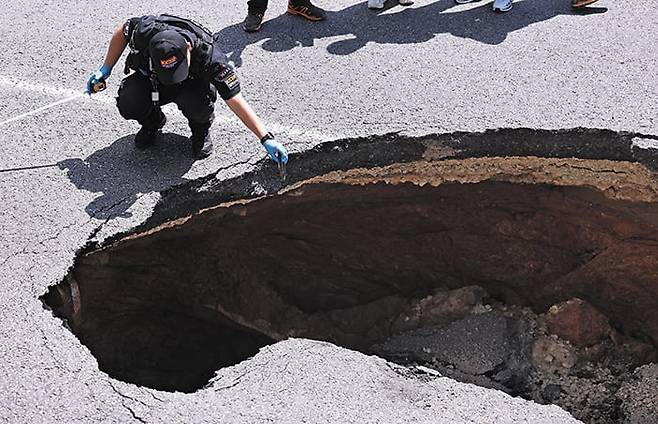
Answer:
(196, 100)
(134, 102)
(306, 9)
(255, 12)
(257, 6)
(576, 4)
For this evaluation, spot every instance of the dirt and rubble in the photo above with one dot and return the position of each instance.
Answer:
(610, 379)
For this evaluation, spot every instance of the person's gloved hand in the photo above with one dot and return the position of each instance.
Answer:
(98, 76)
(277, 152)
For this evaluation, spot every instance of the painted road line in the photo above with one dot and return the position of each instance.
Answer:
(42, 109)
(15, 83)
(277, 128)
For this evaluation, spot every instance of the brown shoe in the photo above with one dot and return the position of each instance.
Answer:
(576, 4)
(307, 10)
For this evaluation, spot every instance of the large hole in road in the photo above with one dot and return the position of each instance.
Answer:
(537, 276)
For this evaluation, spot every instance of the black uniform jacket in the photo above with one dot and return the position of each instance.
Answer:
(208, 61)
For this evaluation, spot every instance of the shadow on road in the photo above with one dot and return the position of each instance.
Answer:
(121, 173)
(411, 25)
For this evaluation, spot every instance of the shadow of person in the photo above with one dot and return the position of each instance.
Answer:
(121, 173)
(411, 25)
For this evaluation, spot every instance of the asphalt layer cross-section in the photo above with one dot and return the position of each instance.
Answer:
(432, 67)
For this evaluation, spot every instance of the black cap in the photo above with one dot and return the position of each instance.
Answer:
(168, 51)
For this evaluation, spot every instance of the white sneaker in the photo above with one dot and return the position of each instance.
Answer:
(406, 2)
(465, 1)
(376, 4)
(502, 5)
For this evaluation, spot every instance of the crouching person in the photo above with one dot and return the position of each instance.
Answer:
(177, 60)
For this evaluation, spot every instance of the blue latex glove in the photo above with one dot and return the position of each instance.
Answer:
(98, 76)
(277, 152)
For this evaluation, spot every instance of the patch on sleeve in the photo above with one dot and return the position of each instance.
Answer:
(232, 81)
(229, 77)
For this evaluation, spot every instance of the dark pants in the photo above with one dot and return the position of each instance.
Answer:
(194, 98)
(259, 6)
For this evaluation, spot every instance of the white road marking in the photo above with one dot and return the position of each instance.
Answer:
(645, 143)
(42, 108)
(15, 83)
(276, 128)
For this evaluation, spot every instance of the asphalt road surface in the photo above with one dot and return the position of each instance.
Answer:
(432, 67)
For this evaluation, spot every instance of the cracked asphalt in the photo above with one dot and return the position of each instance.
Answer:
(72, 172)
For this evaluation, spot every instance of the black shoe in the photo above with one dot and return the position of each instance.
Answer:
(306, 10)
(253, 22)
(146, 136)
(201, 145)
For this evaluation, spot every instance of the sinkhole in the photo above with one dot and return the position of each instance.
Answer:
(426, 256)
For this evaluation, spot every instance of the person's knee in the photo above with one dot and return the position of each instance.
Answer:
(133, 100)
(130, 109)
(196, 107)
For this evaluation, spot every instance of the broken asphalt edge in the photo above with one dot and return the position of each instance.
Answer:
(380, 150)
